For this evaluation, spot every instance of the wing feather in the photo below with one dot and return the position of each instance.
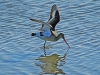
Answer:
(54, 16)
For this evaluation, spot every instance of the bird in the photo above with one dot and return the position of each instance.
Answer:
(47, 32)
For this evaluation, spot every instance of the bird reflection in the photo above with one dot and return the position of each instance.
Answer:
(49, 64)
(49, 46)
(46, 47)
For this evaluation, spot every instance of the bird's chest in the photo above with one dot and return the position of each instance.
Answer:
(50, 38)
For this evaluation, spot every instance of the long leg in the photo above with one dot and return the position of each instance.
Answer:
(44, 44)
(44, 52)
(44, 49)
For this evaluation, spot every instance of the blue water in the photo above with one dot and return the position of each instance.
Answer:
(22, 54)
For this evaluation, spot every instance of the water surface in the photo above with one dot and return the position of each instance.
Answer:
(22, 54)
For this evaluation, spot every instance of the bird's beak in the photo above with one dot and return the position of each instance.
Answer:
(66, 42)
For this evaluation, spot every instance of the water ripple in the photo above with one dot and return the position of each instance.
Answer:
(79, 22)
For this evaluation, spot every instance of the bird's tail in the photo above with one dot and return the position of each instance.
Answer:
(33, 34)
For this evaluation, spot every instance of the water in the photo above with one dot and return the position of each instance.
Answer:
(21, 54)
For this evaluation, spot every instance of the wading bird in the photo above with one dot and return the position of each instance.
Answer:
(47, 31)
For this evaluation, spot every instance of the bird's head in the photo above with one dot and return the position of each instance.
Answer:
(62, 36)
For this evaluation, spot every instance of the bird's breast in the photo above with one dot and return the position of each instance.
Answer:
(50, 38)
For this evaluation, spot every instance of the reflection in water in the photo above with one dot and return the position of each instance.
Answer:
(49, 64)
(46, 47)
(50, 46)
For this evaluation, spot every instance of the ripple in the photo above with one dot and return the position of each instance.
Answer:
(79, 22)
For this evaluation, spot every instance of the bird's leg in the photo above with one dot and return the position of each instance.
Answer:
(44, 52)
(44, 49)
(44, 44)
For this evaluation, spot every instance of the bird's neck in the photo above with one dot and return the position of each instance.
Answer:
(58, 37)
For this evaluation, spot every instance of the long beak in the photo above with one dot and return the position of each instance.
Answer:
(66, 43)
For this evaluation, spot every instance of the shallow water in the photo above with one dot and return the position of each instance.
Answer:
(22, 54)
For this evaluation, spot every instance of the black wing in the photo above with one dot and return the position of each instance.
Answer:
(54, 17)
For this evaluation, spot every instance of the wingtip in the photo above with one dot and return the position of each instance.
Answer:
(30, 18)
(54, 5)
